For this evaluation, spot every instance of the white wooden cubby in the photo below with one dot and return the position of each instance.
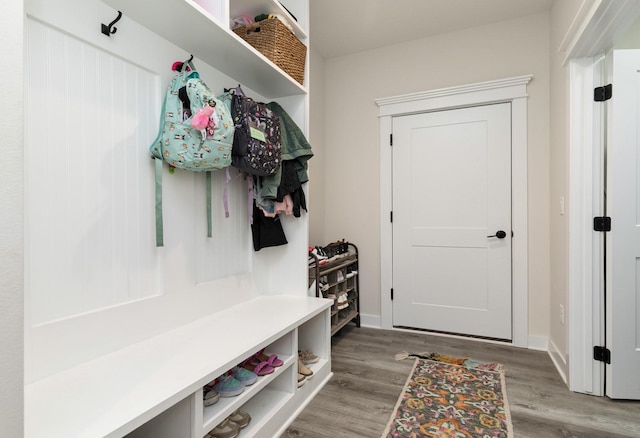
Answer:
(136, 365)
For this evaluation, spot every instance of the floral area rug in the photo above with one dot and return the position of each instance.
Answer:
(451, 397)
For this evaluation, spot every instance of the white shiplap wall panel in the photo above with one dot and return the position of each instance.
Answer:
(94, 280)
(228, 252)
(88, 179)
(90, 193)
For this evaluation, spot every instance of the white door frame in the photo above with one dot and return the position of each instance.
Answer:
(586, 263)
(512, 90)
(597, 27)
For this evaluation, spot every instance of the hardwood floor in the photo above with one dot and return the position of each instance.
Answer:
(367, 381)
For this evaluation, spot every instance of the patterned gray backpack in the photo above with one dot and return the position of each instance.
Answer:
(256, 143)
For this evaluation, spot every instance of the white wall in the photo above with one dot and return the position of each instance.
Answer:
(631, 40)
(11, 222)
(352, 184)
(317, 136)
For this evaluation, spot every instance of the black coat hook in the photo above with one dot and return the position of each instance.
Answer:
(177, 66)
(109, 29)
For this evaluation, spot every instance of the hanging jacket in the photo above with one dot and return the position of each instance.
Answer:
(295, 148)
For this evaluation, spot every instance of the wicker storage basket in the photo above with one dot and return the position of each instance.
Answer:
(275, 41)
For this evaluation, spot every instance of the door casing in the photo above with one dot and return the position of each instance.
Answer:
(512, 90)
(597, 27)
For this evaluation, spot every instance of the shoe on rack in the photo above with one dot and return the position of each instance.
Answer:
(301, 380)
(271, 359)
(229, 386)
(259, 367)
(317, 253)
(342, 302)
(304, 370)
(337, 257)
(243, 375)
(241, 418)
(211, 396)
(340, 276)
(226, 429)
(308, 357)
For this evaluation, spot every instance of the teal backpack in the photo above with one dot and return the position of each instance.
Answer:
(196, 134)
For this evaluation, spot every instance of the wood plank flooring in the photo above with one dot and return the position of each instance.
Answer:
(367, 381)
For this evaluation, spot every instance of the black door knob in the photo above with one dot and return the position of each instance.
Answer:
(499, 234)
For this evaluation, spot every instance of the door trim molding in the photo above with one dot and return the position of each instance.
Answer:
(595, 31)
(597, 26)
(513, 90)
(586, 188)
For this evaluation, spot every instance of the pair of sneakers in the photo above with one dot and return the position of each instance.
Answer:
(343, 302)
(324, 283)
(319, 254)
(304, 373)
(305, 357)
(230, 426)
(231, 384)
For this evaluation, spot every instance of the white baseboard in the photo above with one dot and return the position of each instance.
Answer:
(559, 361)
(371, 321)
(540, 343)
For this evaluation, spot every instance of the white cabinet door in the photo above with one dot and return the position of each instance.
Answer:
(452, 221)
(623, 242)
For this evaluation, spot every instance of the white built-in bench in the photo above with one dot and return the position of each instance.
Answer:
(154, 387)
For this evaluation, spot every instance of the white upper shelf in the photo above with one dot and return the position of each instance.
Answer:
(187, 25)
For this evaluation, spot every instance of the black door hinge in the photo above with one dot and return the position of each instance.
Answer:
(391, 294)
(602, 354)
(600, 94)
(391, 216)
(602, 223)
(390, 139)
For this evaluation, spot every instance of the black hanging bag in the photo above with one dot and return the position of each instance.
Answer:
(256, 142)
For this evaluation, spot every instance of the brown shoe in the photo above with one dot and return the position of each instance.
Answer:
(308, 357)
(226, 429)
(241, 418)
(302, 369)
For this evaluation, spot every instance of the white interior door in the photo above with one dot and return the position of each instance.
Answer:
(623, 241)
(452, 221)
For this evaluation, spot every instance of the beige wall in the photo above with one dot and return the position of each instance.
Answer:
(352, 184)
(11, 223)
(562, 15)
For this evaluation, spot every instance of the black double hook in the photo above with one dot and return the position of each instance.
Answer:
(177, 66)
(109, 29)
